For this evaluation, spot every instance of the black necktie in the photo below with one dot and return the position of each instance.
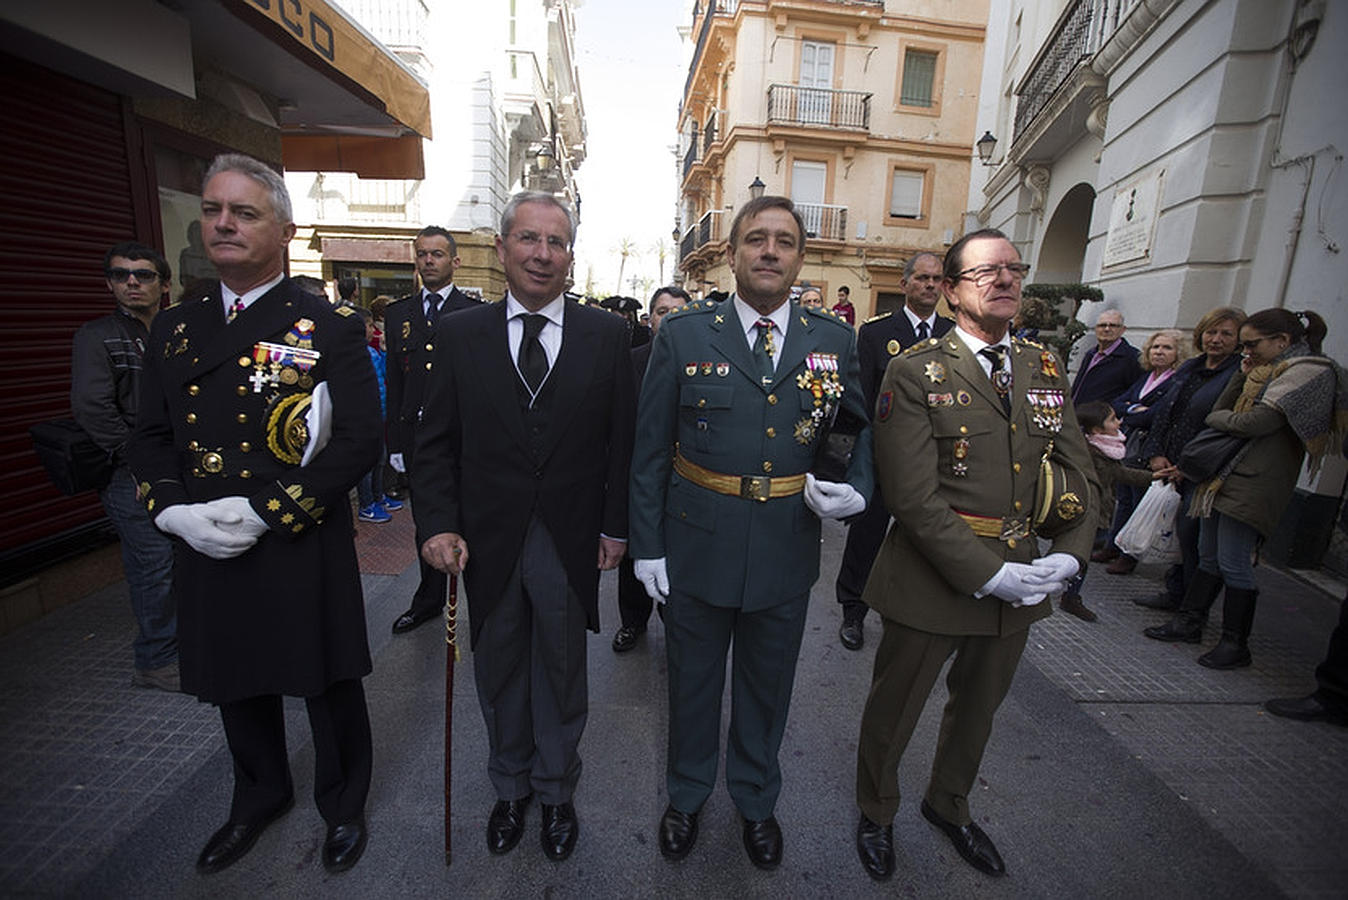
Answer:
(433, 304)
(533, 362)
(921, 331)
(763, 350)
(1001, 379)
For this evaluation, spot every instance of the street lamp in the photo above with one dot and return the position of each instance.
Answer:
(756, 187)
(985, 146)
(545, 157)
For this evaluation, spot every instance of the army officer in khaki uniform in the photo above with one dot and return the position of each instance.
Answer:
(961, 424)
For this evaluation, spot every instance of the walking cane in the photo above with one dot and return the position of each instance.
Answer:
(451, 657)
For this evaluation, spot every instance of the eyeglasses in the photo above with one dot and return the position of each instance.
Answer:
(532, 239)
(982, 276)
(1108, 324)
(145, 276)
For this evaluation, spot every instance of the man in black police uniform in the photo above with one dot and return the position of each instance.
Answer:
(409, 333)
(880, 339)
(259, 411)
(725, 514)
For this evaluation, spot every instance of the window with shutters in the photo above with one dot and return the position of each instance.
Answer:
(908, 201)
(920, 78)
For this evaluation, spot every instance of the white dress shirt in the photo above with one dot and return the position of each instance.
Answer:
(550, 337)
(227, 297)
(781, 318)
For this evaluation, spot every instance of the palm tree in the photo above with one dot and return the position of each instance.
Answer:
(626, 247)
(661, 250)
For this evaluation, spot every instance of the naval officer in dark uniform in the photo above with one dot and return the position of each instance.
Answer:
(259, 411)
(879, 340)
(961, 425)
(725, 515)
(410, 325)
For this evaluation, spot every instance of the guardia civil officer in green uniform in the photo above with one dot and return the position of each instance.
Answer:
(725, 513)
(961, 425)
(259, 411)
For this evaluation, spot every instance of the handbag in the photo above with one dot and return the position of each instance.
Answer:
(1060, 496)
(1207, 453)
(72, 460)
(1149, 535)
(1137, 439)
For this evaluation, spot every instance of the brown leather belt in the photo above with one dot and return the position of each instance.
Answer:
(991, 526)
(750, 487)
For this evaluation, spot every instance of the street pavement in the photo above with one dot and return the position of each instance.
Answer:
(1117, 767)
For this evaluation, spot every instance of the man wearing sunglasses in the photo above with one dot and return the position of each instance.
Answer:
(104, 390)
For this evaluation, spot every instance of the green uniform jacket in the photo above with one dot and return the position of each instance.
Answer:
(702, 394)
(943, 443)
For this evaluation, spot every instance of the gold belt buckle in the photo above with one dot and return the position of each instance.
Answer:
(755, 487)
(1014, 529)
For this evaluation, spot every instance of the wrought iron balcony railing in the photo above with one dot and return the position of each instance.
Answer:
(824, 220)
(791, 104)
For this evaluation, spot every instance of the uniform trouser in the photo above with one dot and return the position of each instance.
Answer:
(529, 664)
(430, 595)
(634, 604)
(864, 537)
(907, 663)
(147, 561)
(340, 723)
(767, 642)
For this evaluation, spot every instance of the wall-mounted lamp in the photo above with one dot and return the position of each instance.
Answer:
(544, 158)
(756, 187)
(985, 146)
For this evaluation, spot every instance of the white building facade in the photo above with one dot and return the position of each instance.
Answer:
(1179, 155)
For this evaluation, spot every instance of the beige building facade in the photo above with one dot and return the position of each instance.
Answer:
(862, 112)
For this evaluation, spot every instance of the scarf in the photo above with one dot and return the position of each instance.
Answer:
(1110, 445)
(1312, 394)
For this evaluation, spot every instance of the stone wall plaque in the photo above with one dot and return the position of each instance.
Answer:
(1132, 221)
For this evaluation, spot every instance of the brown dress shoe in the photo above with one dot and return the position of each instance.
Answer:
(1124, 565)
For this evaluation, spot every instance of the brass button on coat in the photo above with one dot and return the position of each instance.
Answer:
(242, 417)
(191, 418)
(193, 390)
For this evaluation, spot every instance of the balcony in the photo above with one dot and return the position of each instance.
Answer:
(1060, 73)
(689, 157)
(709, 12)
(809, 107)
(823, 221)
(706, 231)
(711, 130)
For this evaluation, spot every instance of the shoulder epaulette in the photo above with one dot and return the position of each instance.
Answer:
(345, 311)
(1029, 342)
(881, 317)
(827, 315)
(695, 306)
(922, 346)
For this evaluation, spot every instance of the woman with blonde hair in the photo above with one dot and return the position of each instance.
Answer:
(1288, 403)
(1161, 357)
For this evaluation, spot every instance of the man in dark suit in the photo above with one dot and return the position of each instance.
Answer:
(634, 605)
(961, 424)
(1110, 367)
(259, 411)
(881, 339)
(522, 457)
(735, 404)
(410, 334)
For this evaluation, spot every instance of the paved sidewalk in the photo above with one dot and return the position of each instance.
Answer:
(1118, 767)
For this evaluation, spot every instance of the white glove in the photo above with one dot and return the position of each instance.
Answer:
(396, 461)
(654, 576)
(318, 420)
(1056, 567)
(193, 524)
(236, 515)
(1019, 584)
(832, 499)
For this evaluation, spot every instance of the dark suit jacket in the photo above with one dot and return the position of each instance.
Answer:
(287, 616)
(702, 393)
(881, 339)
(476, 474)
(410, 348)
(1112, 376)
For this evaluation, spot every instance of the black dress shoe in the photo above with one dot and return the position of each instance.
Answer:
(506, 824)
(975, 846)
(852, 635)
(233, 841)
(411, 619)
(625, 638)
(344, 845)
(1158, 601)
(1305, 709)
(875, 846)
(678, 833)
(763, 842)
(559, 830)
(1184, 626)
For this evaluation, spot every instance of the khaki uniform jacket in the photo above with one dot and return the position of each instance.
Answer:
(944, 443)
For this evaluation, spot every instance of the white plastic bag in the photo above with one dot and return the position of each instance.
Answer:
(1149, 535)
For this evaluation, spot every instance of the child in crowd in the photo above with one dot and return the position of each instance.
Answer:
(1101, 426)
(374, 506)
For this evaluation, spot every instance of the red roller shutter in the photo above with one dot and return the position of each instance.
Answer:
(65, 197)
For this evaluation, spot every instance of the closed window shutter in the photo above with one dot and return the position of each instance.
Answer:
(905, 198)
(919, 74)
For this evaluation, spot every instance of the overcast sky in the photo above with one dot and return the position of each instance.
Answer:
(632, 67)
